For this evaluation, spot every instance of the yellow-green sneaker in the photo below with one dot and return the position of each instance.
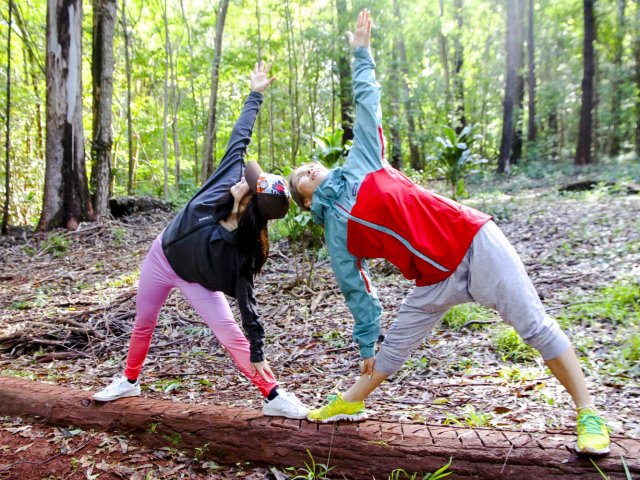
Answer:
(338, 409)
(593, 435)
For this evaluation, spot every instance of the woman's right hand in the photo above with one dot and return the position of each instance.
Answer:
(263, 369)
(259, 77)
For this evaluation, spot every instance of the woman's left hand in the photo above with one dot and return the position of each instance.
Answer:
(263, 369)
(260, 80)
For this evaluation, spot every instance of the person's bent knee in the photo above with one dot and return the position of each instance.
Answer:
(548, 339)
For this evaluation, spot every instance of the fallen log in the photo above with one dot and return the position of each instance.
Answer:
(358, 451)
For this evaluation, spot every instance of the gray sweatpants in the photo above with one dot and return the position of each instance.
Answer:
(490, 274)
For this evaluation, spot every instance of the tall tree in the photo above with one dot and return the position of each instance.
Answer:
(165, 103)
(104, 14)
(583, 150)
(394, 125)
(208, 161)
(531, 77)
(636, 54)
(510, 91)
(66, 199)
(132, 163)
(516, 149)
(613, 142)
(458, 78)
(444, 57)
(414, 153)
(7, 119)
(344, 72)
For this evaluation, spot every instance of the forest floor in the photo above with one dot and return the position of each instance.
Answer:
(74, 293)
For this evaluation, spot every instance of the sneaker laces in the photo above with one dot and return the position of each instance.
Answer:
(591, 423)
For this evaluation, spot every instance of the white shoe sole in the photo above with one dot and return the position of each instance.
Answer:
(356, 417)
(592, 451)
(280, 414)
(98, 398)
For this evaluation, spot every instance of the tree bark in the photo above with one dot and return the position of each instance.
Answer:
(531, 77)
(344, 72)
(355, 450)
(104, 13)
(508, 126)
(444, 58)
(132, 164)
(414, 153)
(614, 137)
(636, 54)
(7, 139)
(583, 150)
(516, 150)
(294, 110)
(394, 124)
(165, 103)
(196, 100)
(208, 160)
(66, 199)
(458, 79)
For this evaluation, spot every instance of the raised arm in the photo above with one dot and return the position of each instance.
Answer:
(367, 152)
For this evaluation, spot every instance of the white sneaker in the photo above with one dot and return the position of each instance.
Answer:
(286, 404)
(119, 388)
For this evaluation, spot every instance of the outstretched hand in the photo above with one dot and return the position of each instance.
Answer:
(362, 35)
(260, 80)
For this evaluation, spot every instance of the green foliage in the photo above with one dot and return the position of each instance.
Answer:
(399, 473)
(627, 473)
(329, 150)
(456, 317)
(469, 418)
(299, 228)
(618, 303)
(511, 346)
(56, 245)
(311, 471)
(631, 351)
(455, 158)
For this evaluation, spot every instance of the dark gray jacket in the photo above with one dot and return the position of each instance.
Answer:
(202, 251)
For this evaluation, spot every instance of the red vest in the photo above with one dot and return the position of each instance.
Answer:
(424, 234)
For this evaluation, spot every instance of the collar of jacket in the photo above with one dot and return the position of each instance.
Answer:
(224, 234)
(326, 194)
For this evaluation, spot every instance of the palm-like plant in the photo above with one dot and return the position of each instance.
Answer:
(456, 159)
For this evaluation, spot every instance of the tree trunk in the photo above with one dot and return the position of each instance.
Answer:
(617, 80)
(104, 13)
(583, 151)
(260, 117)
(508, 125)
(165, 103)
(208, 161)
(636, 54)
(394, 124)
(294, 111)
(7, 119)
(196, 100)
(444, 59)
(414, 153)
(66, 193)
(531, 77)
(344, 72)
(131, 174)
(354, 450)
(458, 79)
(516, 151)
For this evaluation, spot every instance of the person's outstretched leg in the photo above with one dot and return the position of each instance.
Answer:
(497, 279)
(157, 278)
(214, 310)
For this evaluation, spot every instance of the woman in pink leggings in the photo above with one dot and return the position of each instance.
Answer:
(215, 246)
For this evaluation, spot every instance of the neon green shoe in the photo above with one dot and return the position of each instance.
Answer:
(338, 409)
(593, 435)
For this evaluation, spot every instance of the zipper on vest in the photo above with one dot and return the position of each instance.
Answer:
(343, 212)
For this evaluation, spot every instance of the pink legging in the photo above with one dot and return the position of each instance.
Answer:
(157, 278)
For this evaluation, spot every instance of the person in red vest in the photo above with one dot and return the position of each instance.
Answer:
(455, 254)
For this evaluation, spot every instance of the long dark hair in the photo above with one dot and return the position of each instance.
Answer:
(252, 237)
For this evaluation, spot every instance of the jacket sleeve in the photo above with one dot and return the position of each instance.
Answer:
(231, 165)
(353, 280)
(367, 153)
(250, 318)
